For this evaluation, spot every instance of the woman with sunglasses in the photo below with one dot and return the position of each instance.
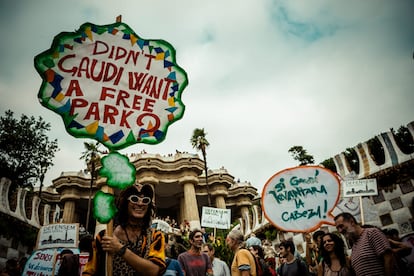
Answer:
(137, 248)
(334, 262)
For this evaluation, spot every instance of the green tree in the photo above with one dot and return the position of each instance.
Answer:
(300, 154)
(329, 164)
(26, 152)
(199, 142)
(92, 158)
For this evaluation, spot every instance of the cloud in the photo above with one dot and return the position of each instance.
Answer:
(263, 76)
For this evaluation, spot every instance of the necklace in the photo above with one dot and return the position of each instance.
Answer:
(142, 244)
(135, 225)
(134, 231)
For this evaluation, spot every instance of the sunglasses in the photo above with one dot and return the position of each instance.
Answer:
(136, 199)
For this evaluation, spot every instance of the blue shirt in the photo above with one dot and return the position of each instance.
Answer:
(173, 268)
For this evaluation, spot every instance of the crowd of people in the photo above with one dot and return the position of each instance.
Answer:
(135, 248)
(14, 267)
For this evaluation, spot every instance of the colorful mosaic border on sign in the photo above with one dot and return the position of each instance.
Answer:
(110, 85)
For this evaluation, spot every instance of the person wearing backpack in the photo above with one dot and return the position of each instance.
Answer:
(262, 268)
(292, 266)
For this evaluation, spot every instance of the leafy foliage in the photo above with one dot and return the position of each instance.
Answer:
(92, 158)
(199, 142)
(222, 251)
(271, 233)
(300, 154)
(329, 164)
(26, 152)
(376, 150)
(352, 158)
(404, 139)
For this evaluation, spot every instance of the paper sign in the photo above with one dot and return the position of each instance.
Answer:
(300, 199)
(58, 235)
(216, 218)
(360, 187)
(41, 262)
(45, 262)
(161, 225)
(111, 85)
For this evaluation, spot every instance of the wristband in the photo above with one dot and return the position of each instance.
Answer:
(122, 251)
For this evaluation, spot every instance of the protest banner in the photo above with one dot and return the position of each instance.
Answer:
(111, 85)
(300, 199)
(46, 262)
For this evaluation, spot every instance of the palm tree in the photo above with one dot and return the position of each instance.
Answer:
(199, 142)
(92, 158)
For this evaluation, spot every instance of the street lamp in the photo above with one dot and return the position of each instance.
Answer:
(43, 170)
(92, 172)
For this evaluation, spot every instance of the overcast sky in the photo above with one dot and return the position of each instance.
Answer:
(263, 75)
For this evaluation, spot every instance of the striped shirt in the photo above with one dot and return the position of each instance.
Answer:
(367, 253)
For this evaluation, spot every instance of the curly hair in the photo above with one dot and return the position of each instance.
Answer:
(122, 205)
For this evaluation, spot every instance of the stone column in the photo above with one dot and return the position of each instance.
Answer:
(220, 202)
(69, 212)
(244, 210)
(190, 205)
(182, 215)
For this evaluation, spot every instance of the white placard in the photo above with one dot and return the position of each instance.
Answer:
(216, 218)
(161, 225)
(360, 187)
(58, 235)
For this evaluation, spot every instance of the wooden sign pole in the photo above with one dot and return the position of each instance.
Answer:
(110, 225)
(361, 208)
(109, 232)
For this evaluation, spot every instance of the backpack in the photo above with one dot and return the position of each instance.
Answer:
(259, 268)
(266, 271)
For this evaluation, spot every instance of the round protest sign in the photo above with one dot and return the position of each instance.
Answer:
(300, 199)
(110, 85)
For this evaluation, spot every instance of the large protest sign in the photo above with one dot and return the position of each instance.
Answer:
(111, 85)
(300, 199)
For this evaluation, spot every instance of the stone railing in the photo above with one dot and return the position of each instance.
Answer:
(20, 209)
